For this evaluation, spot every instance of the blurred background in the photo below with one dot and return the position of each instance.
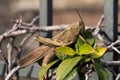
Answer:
(63, 13)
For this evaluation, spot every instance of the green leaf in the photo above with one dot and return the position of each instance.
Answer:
(87, 59)
(66, 66)
(78, 44)
(86, 49)
(44, 69)
(101, 72)
(99, 52)
(80, 40)
(61, 56)
(63, 52)
(71, 75)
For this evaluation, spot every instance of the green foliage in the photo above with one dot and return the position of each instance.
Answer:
(99, 52)
(72, 74)
(66, 67)
(101, 72)
(63, 52)
(85, 51)
(45, 68)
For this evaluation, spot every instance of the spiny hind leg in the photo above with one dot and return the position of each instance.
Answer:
(51, 42)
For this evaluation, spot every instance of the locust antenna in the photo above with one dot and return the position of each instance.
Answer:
(79, 14)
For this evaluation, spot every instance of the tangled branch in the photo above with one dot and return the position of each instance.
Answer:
(20, 28)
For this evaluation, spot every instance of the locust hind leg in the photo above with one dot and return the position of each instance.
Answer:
(51, 42)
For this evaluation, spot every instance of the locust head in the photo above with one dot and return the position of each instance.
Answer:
(77, 28)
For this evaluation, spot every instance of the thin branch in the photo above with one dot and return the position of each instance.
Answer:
(12, 72)
(34, 20)
(25, 39)
(45, 28)
(87, 74)
(112, 46)
(20, 28)
(118, 77)
(3, 55)
(17, 33)
(113, 43)
(28, 24)
(111, 63)
(15, 27)
(96, 31)
(9, 50)
(26, 29)
(115, 49)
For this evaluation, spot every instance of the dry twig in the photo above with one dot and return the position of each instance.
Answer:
(20, 28)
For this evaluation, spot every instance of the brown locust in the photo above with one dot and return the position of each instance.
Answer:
(64, 38)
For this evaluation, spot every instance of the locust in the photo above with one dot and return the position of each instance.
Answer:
(65, 38)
